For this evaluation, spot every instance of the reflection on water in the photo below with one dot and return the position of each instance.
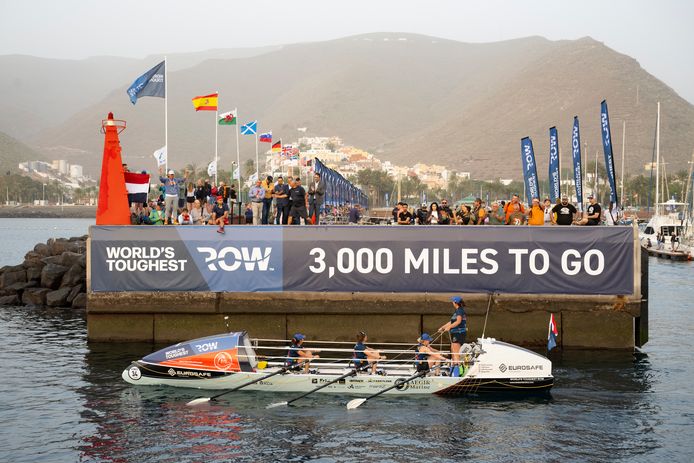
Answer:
(63, 400)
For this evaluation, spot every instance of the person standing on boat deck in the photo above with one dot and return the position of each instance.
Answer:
(364, 355)
(427, 357)
(298, 355)
(457, 328)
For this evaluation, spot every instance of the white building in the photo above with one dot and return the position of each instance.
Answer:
(76, 171)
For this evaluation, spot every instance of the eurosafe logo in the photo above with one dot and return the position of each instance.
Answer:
(231, 258)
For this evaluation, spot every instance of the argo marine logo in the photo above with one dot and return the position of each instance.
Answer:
(230, 258)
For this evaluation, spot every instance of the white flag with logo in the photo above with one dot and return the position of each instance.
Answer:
(160, 156)
(212, 168)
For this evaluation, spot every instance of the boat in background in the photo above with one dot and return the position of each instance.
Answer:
(230, 360)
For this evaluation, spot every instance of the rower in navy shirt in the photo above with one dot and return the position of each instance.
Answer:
(427, 357)
(457, 328)
(364, 355)
(298, 355)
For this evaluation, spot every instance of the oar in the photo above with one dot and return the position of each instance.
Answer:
(352, 404)
(203, 400)
(351, 373)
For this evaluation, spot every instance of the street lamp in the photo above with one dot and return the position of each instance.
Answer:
(44, 194)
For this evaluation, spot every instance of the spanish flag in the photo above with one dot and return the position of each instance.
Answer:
(206, 103)
(277, 147)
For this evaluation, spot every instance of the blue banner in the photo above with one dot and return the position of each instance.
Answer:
(607, 148)
(151, 83)
(532, 189)
(576, 155)
(554, 175)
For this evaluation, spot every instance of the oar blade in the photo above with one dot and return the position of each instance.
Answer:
(355, 403)
(277, 404)
(199, 401)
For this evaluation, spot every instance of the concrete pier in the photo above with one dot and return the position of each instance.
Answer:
(584, 320)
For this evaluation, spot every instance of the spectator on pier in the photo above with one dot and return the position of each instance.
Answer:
(612, 215)
(496, 216)
(444, 207)
(593, 213)
(547, 209)
(156, 216)
(232, 199)
(207, 213)
(171, 189)
(355, 214)
(248, 214)
(511, 208)
(564, 213)
(220, 213)
(281, 195)
(257, 195)
(516, 217)
(196, 212)
(478, 212)
(464, 215)
(433, 215)
(421, 214)
(536, 215)
(316, 194)
(184, 218)
(299, 202)
(404, 216)
(268, 187)
(190, 195)
(200, 193)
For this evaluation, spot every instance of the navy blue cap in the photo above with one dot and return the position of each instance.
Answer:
(425, 337)
(457, 299)
(299, 337)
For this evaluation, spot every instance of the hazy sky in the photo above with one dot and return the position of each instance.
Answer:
(659, 34)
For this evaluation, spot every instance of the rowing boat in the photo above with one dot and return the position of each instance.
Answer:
(229, 360)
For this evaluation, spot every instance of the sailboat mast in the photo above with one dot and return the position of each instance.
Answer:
(657, 161)
(624, 138)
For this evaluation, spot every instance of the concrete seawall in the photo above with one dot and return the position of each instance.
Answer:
(584, 321)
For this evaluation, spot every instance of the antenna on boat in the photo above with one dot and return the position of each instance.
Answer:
(489, 304)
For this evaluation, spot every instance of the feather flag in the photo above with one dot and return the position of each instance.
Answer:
(250, 129)
(265, 137)
(552, 334)
(206, 102)
(227, 118)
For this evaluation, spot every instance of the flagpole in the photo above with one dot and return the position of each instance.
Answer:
(238, 161)
(624, 139)
(166, 112)
(216, 137)
(257, 166)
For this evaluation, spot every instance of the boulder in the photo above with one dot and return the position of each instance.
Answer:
(9, 278)
(69, 259)
(73, 293)
(35, 296)
(74, 276)
(53, 260)
(34, 273)
(80, 301)
(12, 299)
(42, 249)
(79, 238)
(33, 259)
(57, 246)
(83, 260)
(79, 247)
(52, 275)
(12, 268)
(57, 298)
(19, 287)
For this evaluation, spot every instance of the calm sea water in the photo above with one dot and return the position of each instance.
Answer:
(62, 400)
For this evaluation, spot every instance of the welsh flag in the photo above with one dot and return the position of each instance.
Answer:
(228, 118)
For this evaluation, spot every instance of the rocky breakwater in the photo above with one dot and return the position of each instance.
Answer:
(52, 274)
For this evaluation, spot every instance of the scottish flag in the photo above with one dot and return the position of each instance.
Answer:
(151, 83)
(250, 129)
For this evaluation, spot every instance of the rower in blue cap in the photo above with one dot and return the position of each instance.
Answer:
(427, 358)
(298, 355)
(457, 329)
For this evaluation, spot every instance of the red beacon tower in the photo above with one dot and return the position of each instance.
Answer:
(113, 208)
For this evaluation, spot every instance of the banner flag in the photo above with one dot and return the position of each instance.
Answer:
(228, 118)
(552, 333)
(151, 83)
(137, 186)
(265, 137)
(277, 146)
(206, 102)
(554, 177)
(250, 129)
(532, 189)
(607, 148)
(576, 155)
(212, 168)
(160, 155)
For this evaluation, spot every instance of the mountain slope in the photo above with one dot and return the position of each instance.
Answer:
(12, 152)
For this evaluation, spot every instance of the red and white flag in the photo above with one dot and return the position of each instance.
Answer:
(137, 186)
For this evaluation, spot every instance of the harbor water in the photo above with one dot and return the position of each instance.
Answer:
(62, 399)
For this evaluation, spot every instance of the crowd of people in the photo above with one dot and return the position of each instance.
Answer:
(512, 212)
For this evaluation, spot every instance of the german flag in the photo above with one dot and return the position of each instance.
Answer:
(206, 102)
(277, 146)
